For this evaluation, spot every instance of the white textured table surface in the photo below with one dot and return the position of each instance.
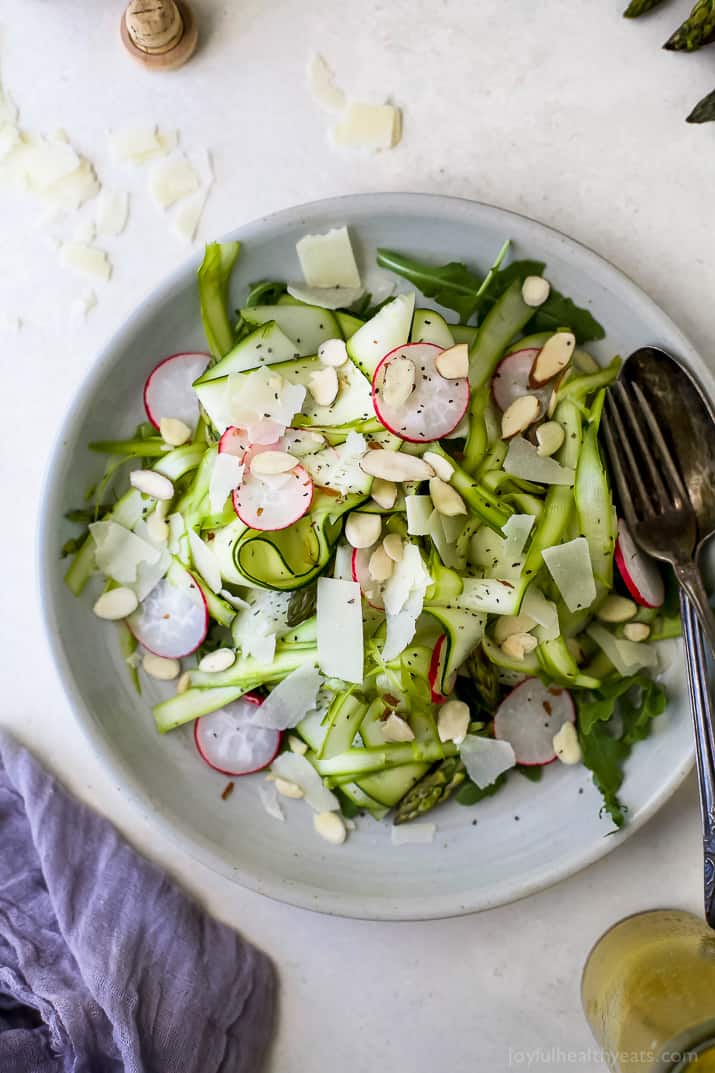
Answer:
(562, 111)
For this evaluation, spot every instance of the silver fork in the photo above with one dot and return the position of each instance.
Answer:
(652, 493)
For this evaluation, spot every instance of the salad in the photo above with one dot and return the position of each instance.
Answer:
(375, 549)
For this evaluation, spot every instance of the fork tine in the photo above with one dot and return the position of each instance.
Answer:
(626, 451)
(664, 500)
(618, 472)
(665, 456)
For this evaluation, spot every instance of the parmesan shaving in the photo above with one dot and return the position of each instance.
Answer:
(118, 551)
(321, 82)
(205, 561)
(486, 759)
(171, 180)
(295, 768)
(570, 566)
(85, 259)
(288, 702)
(112, 212)
(523, 460)
(226, 474)
(368, 126)
(340, 636)
(328, 260)
(83, 305)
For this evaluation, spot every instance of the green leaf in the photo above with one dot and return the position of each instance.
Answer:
(264, 293)
(517, 271)
(348, 808)
(605, 749)
(560, 312)
(532, 772)
(453, 285)
(469, 793)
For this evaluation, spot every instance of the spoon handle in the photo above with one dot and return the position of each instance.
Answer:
(704, 743)
(688, 574)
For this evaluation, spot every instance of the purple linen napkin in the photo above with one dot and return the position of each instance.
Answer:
(106, 966)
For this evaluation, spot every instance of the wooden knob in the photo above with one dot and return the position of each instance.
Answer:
(160, 34)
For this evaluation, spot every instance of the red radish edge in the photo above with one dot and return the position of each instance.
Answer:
(555, 691)
(297, 471)
(376, 401)
(523, 360)
(648, 591)
(165, 361)
(252, 698)
(434, 674)
(234, 441)
(358, 560)
(182, 655)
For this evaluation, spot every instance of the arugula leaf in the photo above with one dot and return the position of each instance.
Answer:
(561, 312)
(469, 793)
(605, 749)
(452, 286)
(348, 808)
(264, 293)
(532, 772)
(502, 280)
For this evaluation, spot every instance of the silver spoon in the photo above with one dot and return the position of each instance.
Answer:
(688, 423)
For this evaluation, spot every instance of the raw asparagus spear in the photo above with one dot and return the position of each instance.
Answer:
(698, 29)
(640, 7)
(433, 788)
(704, 110)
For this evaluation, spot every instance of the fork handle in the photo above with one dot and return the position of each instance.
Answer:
(704, 743)
(690, 579)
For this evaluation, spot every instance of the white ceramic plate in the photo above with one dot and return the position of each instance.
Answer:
(523, 839)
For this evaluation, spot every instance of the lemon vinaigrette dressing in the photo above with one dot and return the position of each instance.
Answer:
(648, 992)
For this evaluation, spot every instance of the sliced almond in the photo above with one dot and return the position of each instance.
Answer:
(453, 363)
(535, 290)
(219, 660)
(566, 745)
(362, 530)
(616, 609)
(380, 565)
(553, 403)
(636, 631)
(517, 417)
(553, 358)
(151, 484)
(384, 493)
(323, 386)
(395, 728)
(116, 604)
(395, 466)
(333, 352)
(446, 500)
(183, 682)
(173, 431)
(330, 826)
(393, 546)
(519, 645)
(509, 625)
(453, 721)
(549, 438)
(157, 528)
(398, 383)
(270, 462)
(296, 745)
(165, 670)
(289, 789)
(441, 465)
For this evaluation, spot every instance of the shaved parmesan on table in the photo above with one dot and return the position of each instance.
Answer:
(46, 162)
(321, 82)
(118, 552)
(295, 768)
(86, 259)
(85, 231)
(368, 126)
(486, 759)
(570, 566)
(328, 260)
(141, 143)
(523, 460)
(413, 834)
(205, 561)
(171, 180)
(83, 305)
(288, 702)
(340, 636)
(72, 191)
(112, 212)
(188, 214)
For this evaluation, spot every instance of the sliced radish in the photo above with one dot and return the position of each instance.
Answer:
(174, 619)
(436, 670)
(273, 502)
(371, 589)
(640, 574)
(435, 406)
(229, 743)
(234, 442)
(169, 392)
(511, 380)
(530, 716)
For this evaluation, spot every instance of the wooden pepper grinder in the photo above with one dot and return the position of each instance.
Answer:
(160, 34)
